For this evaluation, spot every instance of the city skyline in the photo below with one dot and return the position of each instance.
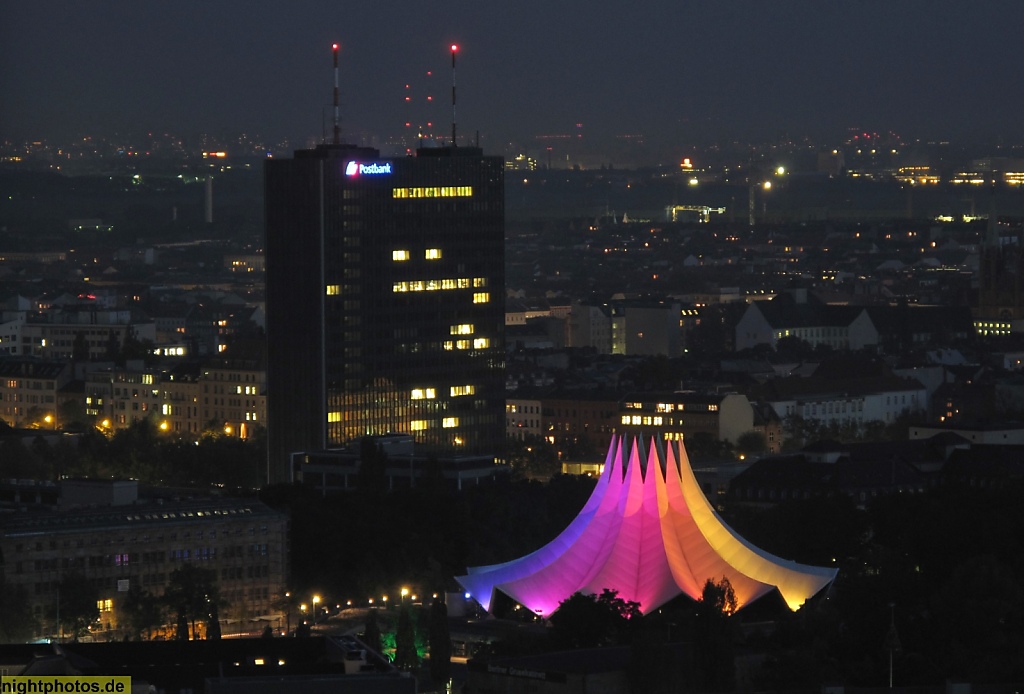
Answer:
(669, 75)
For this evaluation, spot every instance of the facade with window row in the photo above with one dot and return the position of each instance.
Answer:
(138, 545)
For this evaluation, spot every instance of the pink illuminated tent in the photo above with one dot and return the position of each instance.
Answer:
(648, 533)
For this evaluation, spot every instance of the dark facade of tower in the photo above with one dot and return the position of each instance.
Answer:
(385, 300)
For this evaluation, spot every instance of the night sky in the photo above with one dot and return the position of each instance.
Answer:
(674, 71)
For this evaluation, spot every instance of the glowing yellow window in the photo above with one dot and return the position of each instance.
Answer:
(334, 416)
(462, 329)
(432, 254)
(462, 344)
(456, 391)
(449, 345)
(399, 256)
(418, 425)
(449, 422)
(481, 343)
(333, 289)
(481, 298)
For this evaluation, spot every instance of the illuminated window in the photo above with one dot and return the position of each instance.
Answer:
(481, 343)
(465, 390)
(165, 409)
(147, 379)
(449, 422)
(418, 425)
(333, 417)
(423, 393)
(462, 329)
(333, 289)
(479, 282)
(462, 344)
(399, 256)
(481, 298)
(105, 605)
(433, 192)
(449, 345)
(432, 254)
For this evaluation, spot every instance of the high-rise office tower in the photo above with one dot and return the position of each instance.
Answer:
(385, 299)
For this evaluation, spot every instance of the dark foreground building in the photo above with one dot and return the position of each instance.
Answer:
(385, 297)
(335, 664)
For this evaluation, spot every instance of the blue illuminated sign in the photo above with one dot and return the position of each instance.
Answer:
(354, 168)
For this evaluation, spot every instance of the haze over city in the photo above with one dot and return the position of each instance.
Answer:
(674, 74)
(693, 363)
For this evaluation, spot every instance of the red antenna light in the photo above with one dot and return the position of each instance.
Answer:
(337, 112)
(454, 49)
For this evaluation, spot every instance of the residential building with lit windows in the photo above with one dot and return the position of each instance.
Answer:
(52, 335)
(677, 416)
(385, 300)
(579, 423)
(32, 389)
(523, 418)
(224, 393)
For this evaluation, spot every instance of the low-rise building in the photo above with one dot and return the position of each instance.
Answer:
(677, 416)
(117, 542)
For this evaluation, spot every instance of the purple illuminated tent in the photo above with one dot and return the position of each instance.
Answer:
(648, 533)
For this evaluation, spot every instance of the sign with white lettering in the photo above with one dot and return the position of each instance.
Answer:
(355, 168)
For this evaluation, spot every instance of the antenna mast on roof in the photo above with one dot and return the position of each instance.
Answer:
(455, 48)
(337, 118)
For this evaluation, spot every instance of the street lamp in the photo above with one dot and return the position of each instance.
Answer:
(316, 601)
(405, 591)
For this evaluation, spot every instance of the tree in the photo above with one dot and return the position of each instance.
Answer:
(113, 348)
(16, 461)
(76, 602)
(714, 638)
(371, 632)
(80, 348)
(143, 612)
(751, 443)
(193, 596)
(17, 623)
(406, 657)
(440, 644)
(373, 461)
(589, 621)
(532, 457)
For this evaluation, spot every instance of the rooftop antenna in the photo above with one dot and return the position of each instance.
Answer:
(455, 48)
(337, 118)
